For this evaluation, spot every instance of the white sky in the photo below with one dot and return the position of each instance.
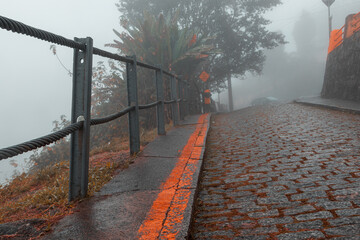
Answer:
(284, 16)
(35, 89)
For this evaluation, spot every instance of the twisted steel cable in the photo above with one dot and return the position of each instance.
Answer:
(103, 53)
(149, 105)
(38, 142)
(109, 118)
(19, 27)
(169, 102)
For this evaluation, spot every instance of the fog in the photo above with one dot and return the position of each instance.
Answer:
(297, 68)
(36, 89)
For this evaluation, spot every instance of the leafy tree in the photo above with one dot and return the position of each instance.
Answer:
(238, 28)
(160, 41)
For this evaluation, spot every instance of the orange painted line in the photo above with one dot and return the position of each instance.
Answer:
(196, 154)
(167, 212)
(199, 142)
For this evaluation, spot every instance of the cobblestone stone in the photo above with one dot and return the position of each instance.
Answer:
(299, 209)
(280, 172)
(269, 213)
(344, 221)
(241, 224)
(311, 225)
(347, 238)
(308, 195)
(348, 212)
(260, 237)
(347, 230)
(315, 215)
(330, 205)
(273, 199)
(274, 221)
(260, 230)
(301, 235)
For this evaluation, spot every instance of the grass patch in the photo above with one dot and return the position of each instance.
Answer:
(44, 194)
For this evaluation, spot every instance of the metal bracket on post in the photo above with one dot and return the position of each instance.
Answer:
(134, 133)
(181, 96)
(187, 105)
(160, 108)
(81, 104)
(187, 100)
(175, 105)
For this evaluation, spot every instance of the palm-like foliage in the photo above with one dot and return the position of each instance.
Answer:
(160, 41)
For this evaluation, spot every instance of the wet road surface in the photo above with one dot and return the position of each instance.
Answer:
(280, 172)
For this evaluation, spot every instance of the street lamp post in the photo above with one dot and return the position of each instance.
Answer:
(231, 103)
(328, 3)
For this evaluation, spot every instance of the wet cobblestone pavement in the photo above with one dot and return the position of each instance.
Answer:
(280, 172)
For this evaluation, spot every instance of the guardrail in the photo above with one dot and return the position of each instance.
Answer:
(337, 36)
(81, 103)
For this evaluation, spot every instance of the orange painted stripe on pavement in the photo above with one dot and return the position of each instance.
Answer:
(167, 212)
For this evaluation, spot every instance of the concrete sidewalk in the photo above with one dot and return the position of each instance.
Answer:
(336, 104)
(152, 199)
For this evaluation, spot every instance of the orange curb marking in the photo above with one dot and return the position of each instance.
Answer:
(167, 212)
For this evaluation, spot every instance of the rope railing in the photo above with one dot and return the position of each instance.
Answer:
(150, 105)
(39, 142)
(110, 118)
(113, 56)
(170, 102)
(338, 36)
(21, 28)
(83, 53)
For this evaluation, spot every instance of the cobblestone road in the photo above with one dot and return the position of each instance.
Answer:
(280, 172)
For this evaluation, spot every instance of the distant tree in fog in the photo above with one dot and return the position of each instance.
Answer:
(299, 73)
(238, 28)
(305, 34)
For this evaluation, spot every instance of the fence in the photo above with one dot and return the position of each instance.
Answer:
(337, 36)
(81, 103)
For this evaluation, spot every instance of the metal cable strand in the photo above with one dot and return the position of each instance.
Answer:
(38, 142)
(109, 118)
(169, 74)
(103, 53)
(145, 65)
(18, 27)
(149, 105)
(169, 102)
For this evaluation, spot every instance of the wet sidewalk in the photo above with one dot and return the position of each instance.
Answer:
(152, 199)
(336, 104)
(285, 171)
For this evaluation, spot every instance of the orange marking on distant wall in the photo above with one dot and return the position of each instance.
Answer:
(167, 212)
